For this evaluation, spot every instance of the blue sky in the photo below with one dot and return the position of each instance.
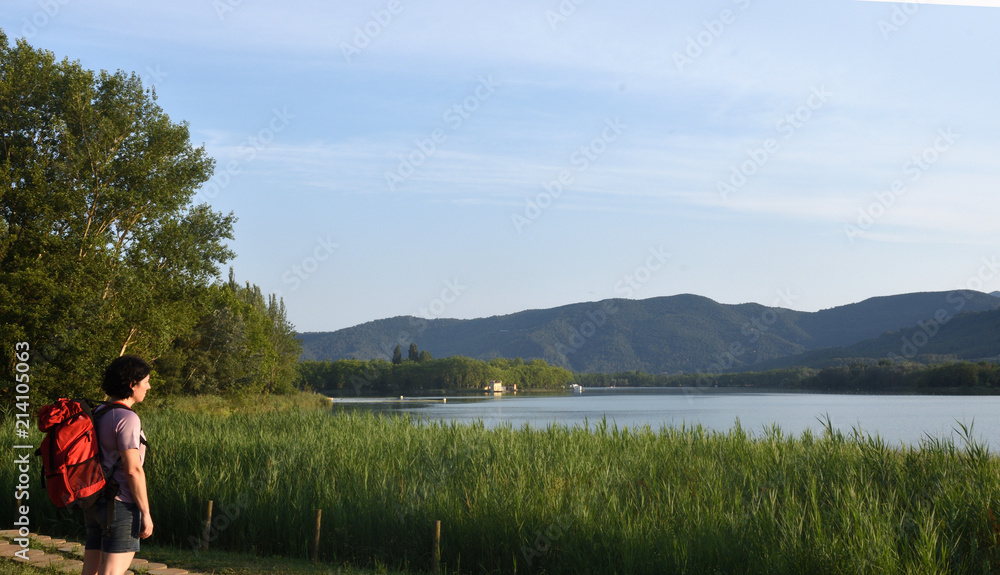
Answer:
(466, 159)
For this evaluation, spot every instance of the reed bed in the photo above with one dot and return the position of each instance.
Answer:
(568, 499)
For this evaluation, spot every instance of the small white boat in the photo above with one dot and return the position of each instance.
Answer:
(576, 388)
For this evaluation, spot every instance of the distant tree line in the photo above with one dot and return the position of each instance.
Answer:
(377, 376)
(857, 376)
(891, 376)
(373, 377)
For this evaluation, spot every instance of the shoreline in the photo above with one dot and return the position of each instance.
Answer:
(442, 396)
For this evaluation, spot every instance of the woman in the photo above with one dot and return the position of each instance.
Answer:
(113, 534)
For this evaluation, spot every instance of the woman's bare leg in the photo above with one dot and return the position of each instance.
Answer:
(116, 563)
(91, 561)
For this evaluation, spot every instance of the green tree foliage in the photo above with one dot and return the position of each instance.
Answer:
(413, 354)
(357, 377)
(397, 355)
(241, 344)
(101, 250)
(851, 376)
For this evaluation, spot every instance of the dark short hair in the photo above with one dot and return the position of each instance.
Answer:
(122, 373)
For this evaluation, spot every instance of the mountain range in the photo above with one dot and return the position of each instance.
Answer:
(692, 334)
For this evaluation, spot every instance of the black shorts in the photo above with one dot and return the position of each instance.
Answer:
(122, 537)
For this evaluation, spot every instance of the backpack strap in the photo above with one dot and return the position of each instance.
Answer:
(108, 407)
(111, 486)
(96, 414)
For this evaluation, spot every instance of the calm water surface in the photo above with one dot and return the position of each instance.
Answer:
(896, 418)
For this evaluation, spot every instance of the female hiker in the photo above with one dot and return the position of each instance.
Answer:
(115, 526)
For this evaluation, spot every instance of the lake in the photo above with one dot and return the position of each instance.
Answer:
(896, 418)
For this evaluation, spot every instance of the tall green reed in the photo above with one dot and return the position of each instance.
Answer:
(570, 499)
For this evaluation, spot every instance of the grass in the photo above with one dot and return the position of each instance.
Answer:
(10, 567)
(562, 499)
(228, 405)
(233, 563)
(217, 563)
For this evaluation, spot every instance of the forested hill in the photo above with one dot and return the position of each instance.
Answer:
(967, 337)
(684, 333)
(871, 318)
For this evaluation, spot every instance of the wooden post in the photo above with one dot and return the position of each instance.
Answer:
(436, 562)
(208, 527)
(315, 546)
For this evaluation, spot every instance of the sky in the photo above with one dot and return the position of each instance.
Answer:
(462, 159)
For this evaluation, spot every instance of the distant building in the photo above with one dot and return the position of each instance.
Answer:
(497, 387)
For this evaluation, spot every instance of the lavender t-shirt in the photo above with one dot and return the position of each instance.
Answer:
(118, 430)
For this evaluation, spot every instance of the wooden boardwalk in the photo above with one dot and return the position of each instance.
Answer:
(67, 556)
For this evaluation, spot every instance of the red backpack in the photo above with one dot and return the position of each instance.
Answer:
(71, 454)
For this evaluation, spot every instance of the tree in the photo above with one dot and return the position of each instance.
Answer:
(397, 355)
(101, 251)
(241, 344)
(414, 355)
(424, 356)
